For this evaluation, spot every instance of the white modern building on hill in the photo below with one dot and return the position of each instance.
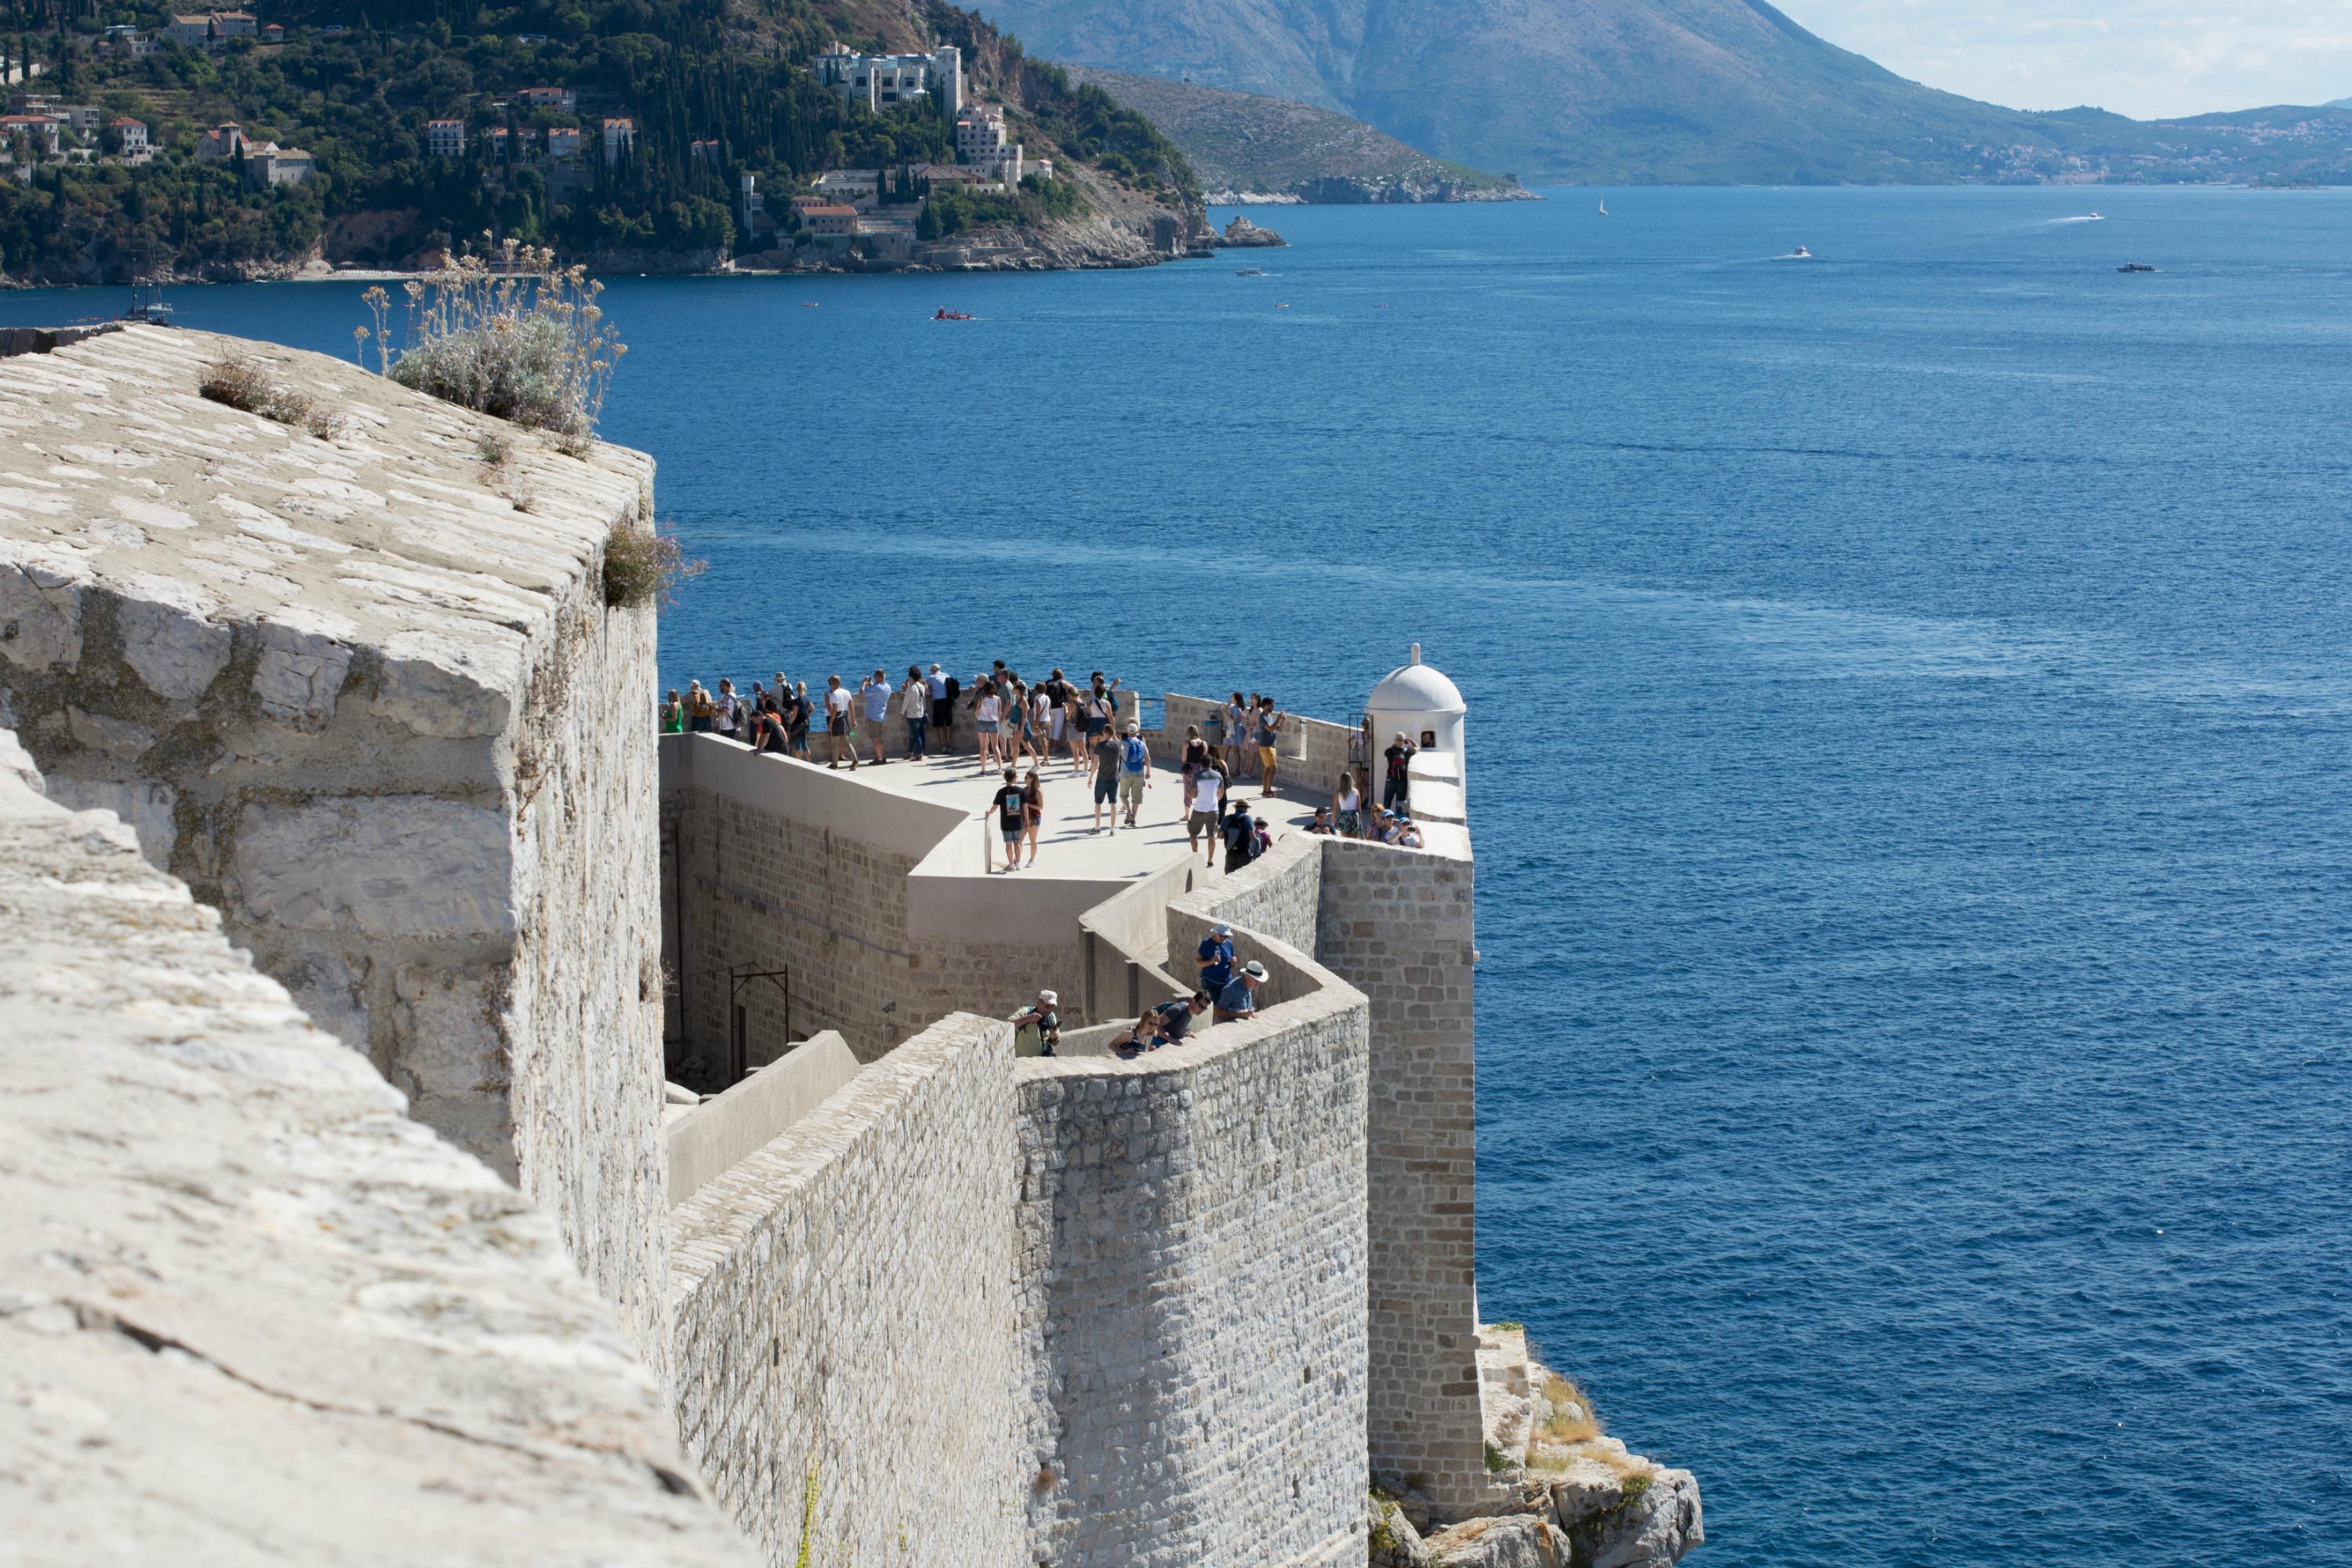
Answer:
(880, 81)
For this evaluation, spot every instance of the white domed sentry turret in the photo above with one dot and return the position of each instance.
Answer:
(1418, 700)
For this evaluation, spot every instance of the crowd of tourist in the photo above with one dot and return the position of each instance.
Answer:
(1022, 730)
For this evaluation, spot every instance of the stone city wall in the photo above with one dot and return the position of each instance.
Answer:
(1191, 1278)
(845, 1355)
(362, 693)
(249, 1309)
(1397, 924)
(1312, 753)
(778, 867)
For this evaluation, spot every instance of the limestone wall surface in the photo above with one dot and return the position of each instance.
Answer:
(1398, 925)
(362, 693)
(844, 1356)
(1191, 1269)
(249, 1310)
(782, 867)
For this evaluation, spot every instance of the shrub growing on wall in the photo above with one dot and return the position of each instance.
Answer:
(523, 340)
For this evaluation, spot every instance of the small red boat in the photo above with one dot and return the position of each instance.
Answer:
(947, 315)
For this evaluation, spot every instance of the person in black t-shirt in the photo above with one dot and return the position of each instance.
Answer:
(1011, 807)
(1400, 755)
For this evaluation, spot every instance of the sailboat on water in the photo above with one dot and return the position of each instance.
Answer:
(1604, 206)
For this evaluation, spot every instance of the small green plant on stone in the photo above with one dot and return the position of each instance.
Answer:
(808, 1519)
(245, 385)
(1497, 1460)
(643, 566)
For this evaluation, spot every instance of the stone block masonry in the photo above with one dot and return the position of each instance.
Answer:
(1191, 1277)
(775, 865)
(843, 1307)
(1398, 926)
(249, 1310)
(362, 694)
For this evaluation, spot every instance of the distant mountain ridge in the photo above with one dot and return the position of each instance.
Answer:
(1652, 91)
(1244, 147)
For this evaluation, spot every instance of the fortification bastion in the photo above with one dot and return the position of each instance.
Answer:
(347, 694)
(362, 694)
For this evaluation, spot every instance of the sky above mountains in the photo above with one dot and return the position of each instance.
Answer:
(2147, 58)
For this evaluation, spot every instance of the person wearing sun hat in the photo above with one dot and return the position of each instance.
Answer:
(1238, 1001)
(1042, 1017)
(1216, 960)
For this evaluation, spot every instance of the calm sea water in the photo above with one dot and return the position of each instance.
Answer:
(1909, 708)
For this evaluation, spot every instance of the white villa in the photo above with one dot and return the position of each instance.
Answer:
(981, 143)
(880, 80)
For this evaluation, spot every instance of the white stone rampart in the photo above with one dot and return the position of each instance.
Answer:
(1192, 1274)
(778, 867)
(363, 693)
(249, 1310)
(1312, 754)
(843, 1302)
(1399, 925)
(712, 1138)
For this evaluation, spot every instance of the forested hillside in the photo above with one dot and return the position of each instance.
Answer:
(356, 88)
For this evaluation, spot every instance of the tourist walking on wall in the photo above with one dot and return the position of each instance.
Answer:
(1044, 727)
(938, 686)
(1237, 723)
(698, 708)
(796, 722)
(1011, 807)
(1270, 724)
(836, 722)
(1203, 794)
(1400, 756)
(1014, 699)
(1347, 809)
(1057, 713)
(1134, 770)
(1101, 706)
(1032, 811)
(875, 693)
(724, 709)
(1080, 726)
(673, 714)
(915, 707)
(1106, 748)
(984, 721)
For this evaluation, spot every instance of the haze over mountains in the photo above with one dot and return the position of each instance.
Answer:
(1639, 91)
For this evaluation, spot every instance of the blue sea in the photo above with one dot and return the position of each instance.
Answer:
(1910, 702)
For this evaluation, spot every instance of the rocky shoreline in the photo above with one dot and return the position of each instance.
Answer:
(1574, 1497)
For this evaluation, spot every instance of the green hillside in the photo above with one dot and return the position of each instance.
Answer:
(355, 88)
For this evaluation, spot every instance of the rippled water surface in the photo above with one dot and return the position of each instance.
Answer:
(1909, 705)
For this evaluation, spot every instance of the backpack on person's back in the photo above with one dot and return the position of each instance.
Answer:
(1135, 754)
(1244, 838)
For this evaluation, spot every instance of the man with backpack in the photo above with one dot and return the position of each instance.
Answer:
(1134, 770)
